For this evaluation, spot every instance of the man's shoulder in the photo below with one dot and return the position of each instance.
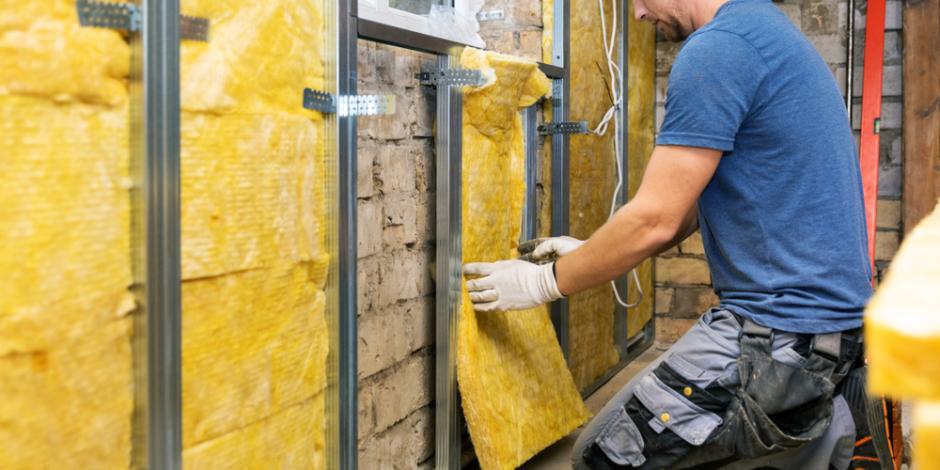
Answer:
(752, 24)
(714, 47)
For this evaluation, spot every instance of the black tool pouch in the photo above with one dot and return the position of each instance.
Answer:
(777, 406)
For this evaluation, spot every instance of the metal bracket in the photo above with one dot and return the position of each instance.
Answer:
(194, 28)
(349, 105)
(452, 77)
(491, 15)
(566, 127)
(128, 16)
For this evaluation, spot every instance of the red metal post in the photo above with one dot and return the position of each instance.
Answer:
(871, 114)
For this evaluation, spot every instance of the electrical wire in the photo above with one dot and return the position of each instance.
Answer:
(616, 85)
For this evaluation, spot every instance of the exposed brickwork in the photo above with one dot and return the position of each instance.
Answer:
(519, 33)
(395, 241)
(682, 284)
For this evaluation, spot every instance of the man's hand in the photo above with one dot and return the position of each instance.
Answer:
(543, 250)
(510, 285)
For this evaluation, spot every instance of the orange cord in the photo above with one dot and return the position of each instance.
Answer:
(862, 441)
(884, 412)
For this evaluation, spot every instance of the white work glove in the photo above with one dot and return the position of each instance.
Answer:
(511, 285)
(543, 250)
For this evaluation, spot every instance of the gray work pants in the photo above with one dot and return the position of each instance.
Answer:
(707, 355)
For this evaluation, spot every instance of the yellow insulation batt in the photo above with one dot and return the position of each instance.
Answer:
(518, 397)
(66, 381)
(902, 335)
(593, 175)
(255, 338)
(641, 82)
(902, 324)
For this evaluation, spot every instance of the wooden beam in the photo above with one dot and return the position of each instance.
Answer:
(921, 109)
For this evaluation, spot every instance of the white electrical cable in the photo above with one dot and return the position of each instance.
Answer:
(616, 83)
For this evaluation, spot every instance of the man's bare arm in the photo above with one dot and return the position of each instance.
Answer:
(661, 214)
(689, 226)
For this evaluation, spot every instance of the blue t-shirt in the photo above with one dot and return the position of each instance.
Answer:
(782, 219)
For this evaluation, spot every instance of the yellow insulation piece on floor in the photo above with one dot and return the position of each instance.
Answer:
(255, 337)
(902, 335)
(66, 380)
(902, 324)
(518, 396)
(927, 435)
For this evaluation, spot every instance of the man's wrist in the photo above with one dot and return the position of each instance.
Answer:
(549, 286)
(555, 270)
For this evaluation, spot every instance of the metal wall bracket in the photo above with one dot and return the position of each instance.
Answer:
(452, 77)
(565, 127)
(491, 15)
(194, 28)
(349, 105)
(128, 16)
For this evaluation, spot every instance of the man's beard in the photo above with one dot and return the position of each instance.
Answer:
(673, 31)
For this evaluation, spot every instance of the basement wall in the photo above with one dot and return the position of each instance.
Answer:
(683, 282)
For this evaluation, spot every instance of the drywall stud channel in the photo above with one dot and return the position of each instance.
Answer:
(530, 210)
(631, 347)
(343, 441)
(160, 122)
(560, 170)
(449, 259)
(622, 283)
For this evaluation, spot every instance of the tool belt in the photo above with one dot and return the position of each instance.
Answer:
(772, 407)
(777, 406)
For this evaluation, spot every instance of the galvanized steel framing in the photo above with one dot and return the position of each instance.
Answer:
(157, 51)
(530, 209)
(344, 78)
(560, 167)
(449, 259)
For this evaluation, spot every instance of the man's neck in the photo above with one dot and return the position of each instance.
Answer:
(704, 11)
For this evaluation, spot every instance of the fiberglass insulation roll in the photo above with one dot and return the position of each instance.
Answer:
(66, 381)
(517, 394)
(255, 335)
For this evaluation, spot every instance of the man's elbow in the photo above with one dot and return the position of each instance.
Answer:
(653, 229)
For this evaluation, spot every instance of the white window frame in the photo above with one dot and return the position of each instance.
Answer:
(379, 11)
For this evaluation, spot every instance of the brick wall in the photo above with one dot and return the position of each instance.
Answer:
(519, 33)
(395, 239)
(683, 284)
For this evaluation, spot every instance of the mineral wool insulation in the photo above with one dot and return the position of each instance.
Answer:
(66, 382)
(518, 396)
(641, 108)
(593, 174)
(902, 335)
(253, 238)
